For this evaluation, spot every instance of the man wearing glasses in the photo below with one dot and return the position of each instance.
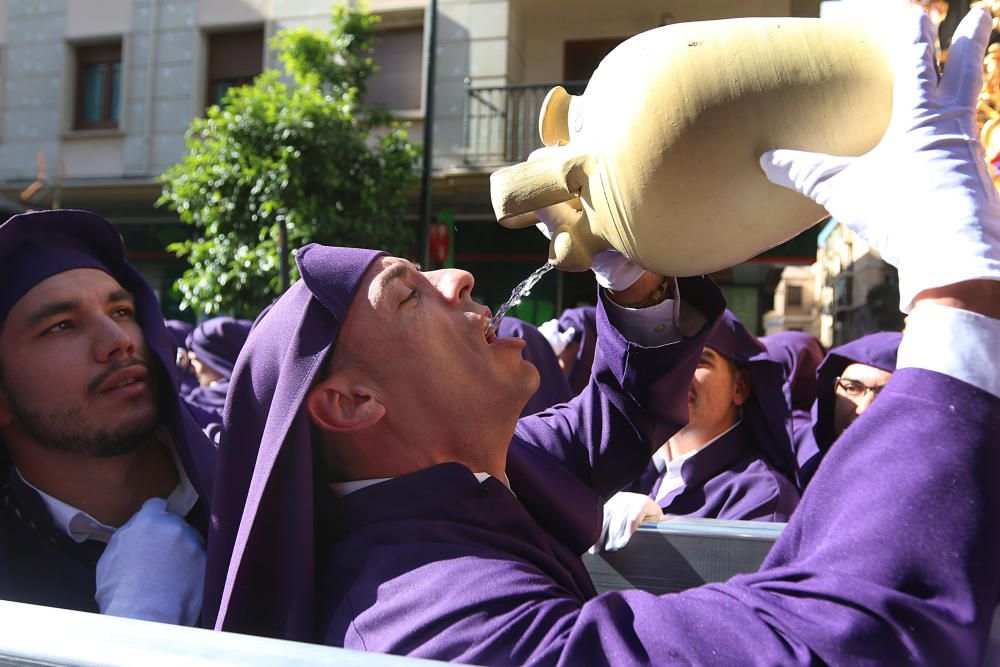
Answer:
(848, 380)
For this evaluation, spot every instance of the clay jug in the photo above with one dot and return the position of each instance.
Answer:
(661, 150)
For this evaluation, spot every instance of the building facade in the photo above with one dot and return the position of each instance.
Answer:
(96, 95)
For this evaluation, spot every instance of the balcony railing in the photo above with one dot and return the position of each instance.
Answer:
(500, 123)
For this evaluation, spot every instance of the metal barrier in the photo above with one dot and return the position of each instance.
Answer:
(679, 553)
(500, 123)
(34, 635)
(666, 557)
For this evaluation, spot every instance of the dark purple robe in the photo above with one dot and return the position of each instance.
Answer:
(552, 387)
(889, 559)
(729, 479)
(747, 474)
(813, 439)
(583, 319)
(800, 354)
(40, 564)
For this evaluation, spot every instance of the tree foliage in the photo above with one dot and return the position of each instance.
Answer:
(307, 152)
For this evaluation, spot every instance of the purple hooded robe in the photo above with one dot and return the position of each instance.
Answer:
(39, 563)
(552, 387)
(801, 354)
(746, 474)
(583, 319)
(217, 342)
(888, 560)
(813, 439)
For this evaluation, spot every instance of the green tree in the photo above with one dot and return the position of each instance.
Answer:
(309, 154)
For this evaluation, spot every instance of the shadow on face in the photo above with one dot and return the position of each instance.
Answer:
(855, 390)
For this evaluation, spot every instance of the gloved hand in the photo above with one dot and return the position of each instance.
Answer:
(558, 340)
(613, 270)
(922, 197)
(153, 568)
(623, 514)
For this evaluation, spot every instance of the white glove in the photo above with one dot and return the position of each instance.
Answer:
(922, 197)
(558, 340)
(612, 269)
(623, 514)
(153, 568)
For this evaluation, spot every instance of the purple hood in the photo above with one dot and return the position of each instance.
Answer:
(263, 514)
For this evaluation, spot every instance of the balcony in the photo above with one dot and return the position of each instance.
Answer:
(500, 123)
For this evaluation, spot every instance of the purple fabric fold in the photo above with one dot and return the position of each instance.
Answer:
(260, 576)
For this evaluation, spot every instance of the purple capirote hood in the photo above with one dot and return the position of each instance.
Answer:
(218, 342)
(765, 414)
(801, 354)
(584, 321)
(875, 349)
(38, 245)
(260, 574)
(552, 387)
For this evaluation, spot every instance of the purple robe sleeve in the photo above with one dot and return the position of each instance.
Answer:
(636, 399)
(890, 559)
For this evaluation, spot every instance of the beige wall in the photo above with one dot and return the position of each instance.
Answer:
(93, 157)
(214, 13)
(549, 24)
(97, 18)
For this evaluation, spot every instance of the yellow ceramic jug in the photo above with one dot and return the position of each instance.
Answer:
(661, 150)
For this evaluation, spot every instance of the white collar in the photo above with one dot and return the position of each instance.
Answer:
(341, 489)
(80, 526)
(673, 466)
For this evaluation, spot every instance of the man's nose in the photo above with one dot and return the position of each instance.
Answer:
(112, 341)
(454, 284)
(865, 402)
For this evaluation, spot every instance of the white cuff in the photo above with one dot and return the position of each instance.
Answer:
(649, 327)
(954, 342)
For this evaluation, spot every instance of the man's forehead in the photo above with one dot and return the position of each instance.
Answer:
(865, 372)
(74, 284)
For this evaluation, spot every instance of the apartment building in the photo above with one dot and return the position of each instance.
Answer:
(849, 291)
(798, 303)
(95, 97)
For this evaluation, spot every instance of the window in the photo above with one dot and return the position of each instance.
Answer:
(582, 56)
(793, 296)
(399, 54)
(98, 86)
(234, 59)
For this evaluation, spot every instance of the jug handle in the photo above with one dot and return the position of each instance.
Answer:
(554, 174)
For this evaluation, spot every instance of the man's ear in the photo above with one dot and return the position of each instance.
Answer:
(340, 404)
(741, 392)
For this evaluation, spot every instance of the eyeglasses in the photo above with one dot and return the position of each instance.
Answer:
(855, 390)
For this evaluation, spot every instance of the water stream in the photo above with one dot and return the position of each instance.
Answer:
(522, 290)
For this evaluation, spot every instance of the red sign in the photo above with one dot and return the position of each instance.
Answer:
(440, 242)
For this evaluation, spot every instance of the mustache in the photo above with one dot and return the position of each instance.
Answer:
(114, 368)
